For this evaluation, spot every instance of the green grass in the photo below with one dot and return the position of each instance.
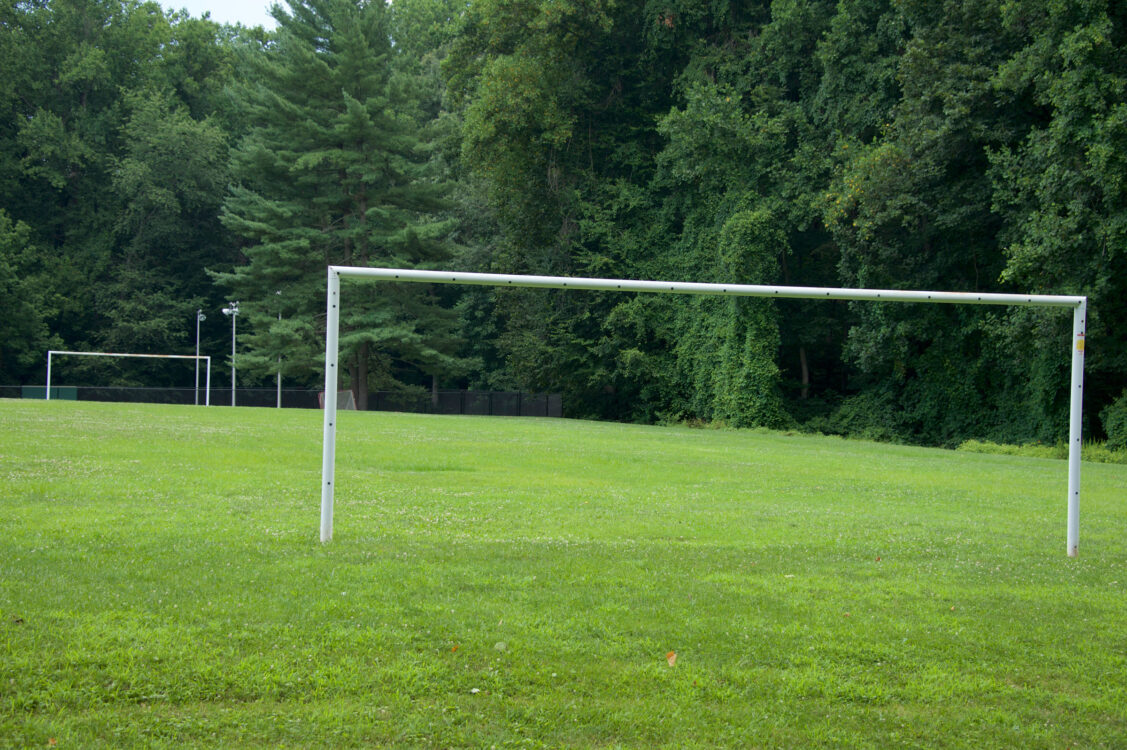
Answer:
(519, 583)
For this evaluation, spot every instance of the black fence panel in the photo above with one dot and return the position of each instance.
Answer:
(140, 395)
(395, 401)
(478, 402)
(484, 403)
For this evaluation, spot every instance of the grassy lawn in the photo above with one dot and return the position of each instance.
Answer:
(523, 583)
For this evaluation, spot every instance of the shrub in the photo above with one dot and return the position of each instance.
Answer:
(1114, 419)
(1096, 453)
(867, 416)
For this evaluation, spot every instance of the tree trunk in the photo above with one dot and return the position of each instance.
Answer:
(805, 372)
(360, 378)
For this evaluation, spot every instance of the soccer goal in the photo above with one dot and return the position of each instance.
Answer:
(207, 360)
(1078, 305)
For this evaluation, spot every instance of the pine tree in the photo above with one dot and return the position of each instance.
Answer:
(334, 171)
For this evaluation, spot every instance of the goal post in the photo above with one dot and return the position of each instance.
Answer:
(1077, 304)
(207, 360)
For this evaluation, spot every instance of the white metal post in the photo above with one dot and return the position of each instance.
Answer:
(48, 394)
(232, 309)
(328, 457)
(199, 317)
(207, 387)
(1076, 426)
(234, 316)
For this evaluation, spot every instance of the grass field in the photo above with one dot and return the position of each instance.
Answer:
(525, 583)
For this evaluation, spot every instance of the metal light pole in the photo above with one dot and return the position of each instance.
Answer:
(232, 311)
(279, 294)
(200, 317)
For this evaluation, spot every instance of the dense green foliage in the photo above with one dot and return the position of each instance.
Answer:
(151, 162)
(113, 166)
(1114, 417)
(477, 596)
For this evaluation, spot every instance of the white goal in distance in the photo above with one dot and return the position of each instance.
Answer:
(207, 389)
(1078, 305)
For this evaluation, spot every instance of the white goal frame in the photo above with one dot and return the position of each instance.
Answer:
(207, 389)
(1078, 305)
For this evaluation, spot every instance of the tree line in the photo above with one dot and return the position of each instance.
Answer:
(153, 164)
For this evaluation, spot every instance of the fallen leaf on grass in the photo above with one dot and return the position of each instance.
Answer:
(671, 657)
(455, 648)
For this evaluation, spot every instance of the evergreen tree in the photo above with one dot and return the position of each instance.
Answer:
(333, 171)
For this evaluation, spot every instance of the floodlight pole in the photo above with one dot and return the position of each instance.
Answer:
(232, 311)
(279, 293)
(328, 456)
(1078, 304)
(199, 318)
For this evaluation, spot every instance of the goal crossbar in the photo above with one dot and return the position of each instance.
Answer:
(1077, 304)
(207, 389)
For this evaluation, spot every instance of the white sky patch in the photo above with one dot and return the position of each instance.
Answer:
(246, 12)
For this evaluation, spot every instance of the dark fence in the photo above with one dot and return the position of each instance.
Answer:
(496, 403)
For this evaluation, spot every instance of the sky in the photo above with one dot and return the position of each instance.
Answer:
(246, 12)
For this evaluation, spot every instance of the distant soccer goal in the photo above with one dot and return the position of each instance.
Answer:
(207, 360)
(1078, 305)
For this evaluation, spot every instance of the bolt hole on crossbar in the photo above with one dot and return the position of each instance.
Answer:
(1078, 305)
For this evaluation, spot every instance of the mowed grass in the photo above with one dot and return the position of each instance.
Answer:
(522, 583)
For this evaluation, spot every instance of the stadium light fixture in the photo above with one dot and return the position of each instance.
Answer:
(232, 312)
